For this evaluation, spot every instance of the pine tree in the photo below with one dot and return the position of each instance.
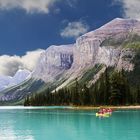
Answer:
(138, 94)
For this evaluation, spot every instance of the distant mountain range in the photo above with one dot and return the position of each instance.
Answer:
(8, 81)
(113, 45)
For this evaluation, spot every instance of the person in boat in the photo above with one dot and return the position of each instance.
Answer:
(109, 110)
(100, 113)
(106, 110)
(103, 110)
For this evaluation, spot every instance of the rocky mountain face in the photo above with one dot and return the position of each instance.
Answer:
(102, 46)
(16, 94)
(91, 44)
(114, 44)
(53, 62)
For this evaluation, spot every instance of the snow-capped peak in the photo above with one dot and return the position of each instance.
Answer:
(20, 76)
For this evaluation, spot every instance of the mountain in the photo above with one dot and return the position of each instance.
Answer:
(20, 76)
(54, 62)
(102, 47)
(116, 44)
(16, 94)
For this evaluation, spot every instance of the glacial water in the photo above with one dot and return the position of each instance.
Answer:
(19, 123)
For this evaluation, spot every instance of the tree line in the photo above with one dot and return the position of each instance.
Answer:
(112, 88)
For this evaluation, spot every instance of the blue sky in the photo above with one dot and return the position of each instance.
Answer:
(27, 27)
(22, 30)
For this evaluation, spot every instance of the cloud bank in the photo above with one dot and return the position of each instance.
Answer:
(30, 6)
(10, 64)
(131, 8)
(74, 29)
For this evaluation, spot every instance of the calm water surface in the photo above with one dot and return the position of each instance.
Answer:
(65, 124)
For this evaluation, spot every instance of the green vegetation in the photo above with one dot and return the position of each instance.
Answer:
(88, 75)
(112, 42)
(134, 76)
(130, 41)
(113, 88)
(132, 45)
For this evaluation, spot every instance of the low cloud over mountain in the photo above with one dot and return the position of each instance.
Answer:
(9, 65)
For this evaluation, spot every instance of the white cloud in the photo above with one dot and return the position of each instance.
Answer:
(34, 6)
(74, 29)
(10, 64)
(131, 8)
(72, 3)
(30, 6)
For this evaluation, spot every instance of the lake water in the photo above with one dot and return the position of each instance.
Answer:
(21, 123)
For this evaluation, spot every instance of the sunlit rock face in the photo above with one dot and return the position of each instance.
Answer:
(90, 49)
(53, 62)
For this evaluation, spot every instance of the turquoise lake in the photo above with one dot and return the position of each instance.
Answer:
(65, 124)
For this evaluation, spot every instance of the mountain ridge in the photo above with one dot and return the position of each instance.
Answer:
(87, 51)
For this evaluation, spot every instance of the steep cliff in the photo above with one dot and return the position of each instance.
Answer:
(53, 62)
(106, 45)
(90, 47)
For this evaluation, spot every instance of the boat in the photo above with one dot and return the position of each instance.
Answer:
(102, 115)
(104, 112)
